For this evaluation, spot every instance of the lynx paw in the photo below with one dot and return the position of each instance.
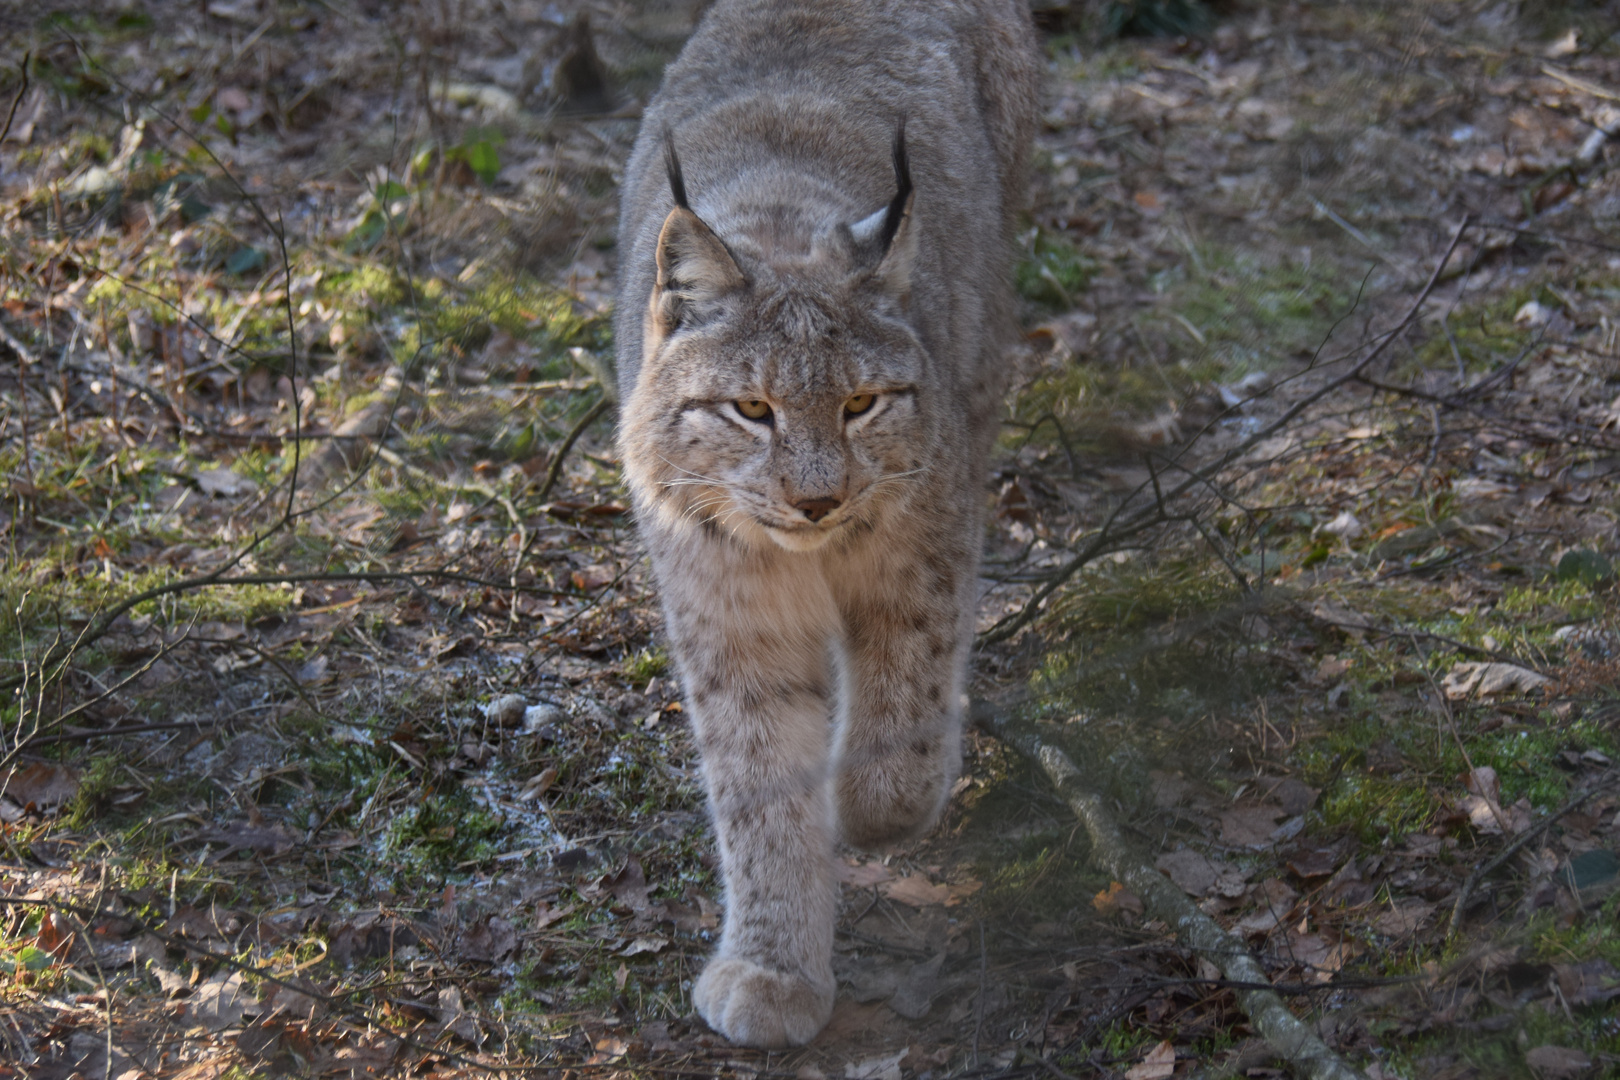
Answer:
(755, 1006)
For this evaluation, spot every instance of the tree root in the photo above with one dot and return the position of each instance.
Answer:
(1306, 1054)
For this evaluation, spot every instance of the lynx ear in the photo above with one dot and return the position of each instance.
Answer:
(889, 235)
(694, 265)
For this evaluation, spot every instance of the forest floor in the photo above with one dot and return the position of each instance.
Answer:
(341, 738)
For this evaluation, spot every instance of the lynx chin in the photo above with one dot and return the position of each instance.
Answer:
(815, 290)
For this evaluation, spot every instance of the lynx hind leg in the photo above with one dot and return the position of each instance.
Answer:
(900, 743)
(755, 1006)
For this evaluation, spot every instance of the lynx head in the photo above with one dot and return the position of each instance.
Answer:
(782, 392)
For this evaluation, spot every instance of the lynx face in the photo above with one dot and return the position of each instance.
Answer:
(780, 393)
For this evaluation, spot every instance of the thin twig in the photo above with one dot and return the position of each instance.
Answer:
(89, 734)
(1146, 518)
(1490, 866)
(11, 114)
(555, 469)
(978, 1001)
(1493, 803)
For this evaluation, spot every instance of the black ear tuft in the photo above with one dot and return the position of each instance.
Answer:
(672, 165)
(902, 183)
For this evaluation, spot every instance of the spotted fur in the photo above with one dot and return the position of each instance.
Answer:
(819, 206)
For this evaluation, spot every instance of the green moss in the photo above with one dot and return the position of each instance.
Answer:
(439, 832)
(646, 665)
(1249, 310)
(1484, 336)
(1053, 271)
(1376, 808)
(95, 786)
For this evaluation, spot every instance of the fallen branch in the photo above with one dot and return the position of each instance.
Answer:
(198, 723)
(1294, 1041)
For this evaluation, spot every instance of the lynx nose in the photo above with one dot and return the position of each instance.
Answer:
(816, 509)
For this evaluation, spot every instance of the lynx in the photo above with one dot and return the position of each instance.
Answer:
(814, 247)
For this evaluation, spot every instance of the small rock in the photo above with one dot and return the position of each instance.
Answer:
(598, 714)
(1533, 314)
(537, 718)
(1346, 526)
(506, 711)
(1589, 639)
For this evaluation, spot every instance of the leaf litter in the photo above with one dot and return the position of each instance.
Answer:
(418, 795)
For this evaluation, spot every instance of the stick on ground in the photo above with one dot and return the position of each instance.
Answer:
(1294, 1041)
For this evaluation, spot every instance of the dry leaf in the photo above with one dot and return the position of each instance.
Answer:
(1197, 874)
(1117, 900)
(1294, 796)
(1557, 1062)
(224, 484)
(918, 988)
(40, 786)
(863, 875)
(646, 943)
(1472, 679)
(1403, 919)
(1321, 956)
(1346, 526)
(1567, 45)
(220, 1001)
(55, 934)
(608, 1048)
(538, 784)
(1484, 809)
(878, 1068)
(545, 915)
(1159, 1063)
(1249, 826)
(916, 890)
(172, 983)
(1482, 814)
(1068, 334)
(629, 886)
(1590, 982)
(593, 577)
(490, 941)
(453, 1015)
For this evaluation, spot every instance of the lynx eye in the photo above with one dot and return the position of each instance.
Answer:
(754, 410)
(856, 404)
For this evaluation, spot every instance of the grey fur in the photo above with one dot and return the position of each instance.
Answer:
(818, 572)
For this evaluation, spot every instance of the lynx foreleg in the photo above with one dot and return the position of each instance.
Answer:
(753, 643)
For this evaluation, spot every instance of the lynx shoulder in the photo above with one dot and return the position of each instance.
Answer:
(814, 246)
